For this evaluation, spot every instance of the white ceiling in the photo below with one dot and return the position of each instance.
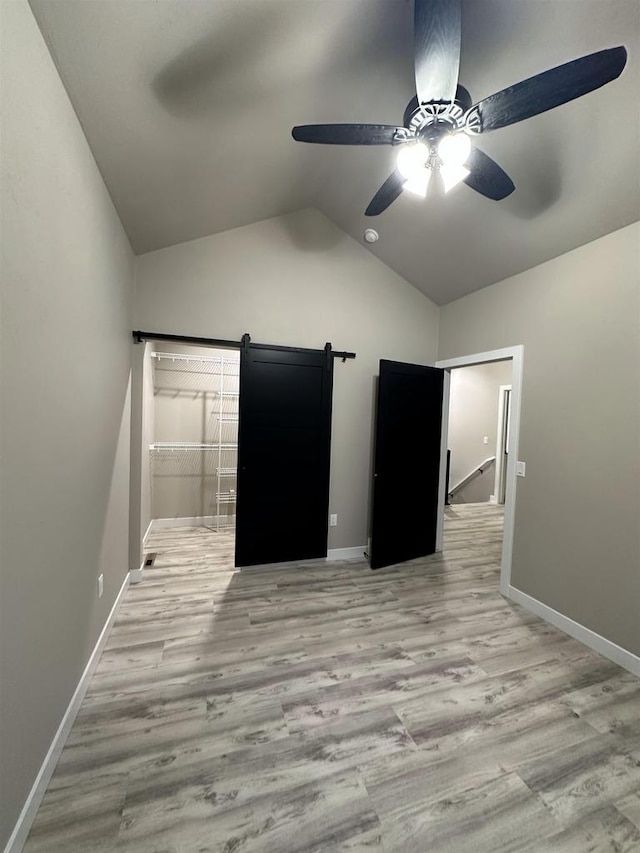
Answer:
(188, 107)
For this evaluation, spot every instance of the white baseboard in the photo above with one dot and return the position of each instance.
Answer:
(191, 521)
(27, 815)
(332, 555)
(595, 641)
(275, 567)
(135, 575)
(146, 535)
(355, 552)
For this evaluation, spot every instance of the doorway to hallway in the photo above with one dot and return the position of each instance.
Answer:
(485, 435)
(477, 446)
(477, 440)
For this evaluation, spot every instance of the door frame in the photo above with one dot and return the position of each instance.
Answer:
(515, 354)
(502, 440)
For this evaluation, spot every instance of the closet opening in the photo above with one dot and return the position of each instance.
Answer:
(194, 452)
(213, 422)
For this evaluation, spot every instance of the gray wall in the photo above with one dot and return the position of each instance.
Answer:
(67, 272)
(298, 280)
(473, 415)
(577, 536)
(186, 409)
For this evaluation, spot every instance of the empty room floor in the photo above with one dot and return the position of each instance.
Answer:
(331, 708)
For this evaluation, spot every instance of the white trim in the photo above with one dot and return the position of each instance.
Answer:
(574, 629)
(516, 355)
(444, 441)
(333, 554)
(287, 564)
(499, 443)
(187, 521)
(355, 552)
(146, 535)
(136, 575)
(480, 357)
(32, 804)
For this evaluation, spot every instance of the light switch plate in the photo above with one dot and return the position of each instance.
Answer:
(520, 469)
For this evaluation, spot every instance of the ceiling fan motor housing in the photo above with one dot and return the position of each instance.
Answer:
(430, 121)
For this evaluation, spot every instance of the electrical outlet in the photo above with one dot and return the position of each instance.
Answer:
(485, 440)
(100, 585)
(333, 520)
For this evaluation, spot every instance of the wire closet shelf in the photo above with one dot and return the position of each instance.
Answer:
(215, 378)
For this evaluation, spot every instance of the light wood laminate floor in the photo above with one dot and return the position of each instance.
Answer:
(331, 708)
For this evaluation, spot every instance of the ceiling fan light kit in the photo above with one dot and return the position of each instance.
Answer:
(441, 120)
(452, 174)
(454, 149)
(412, 159)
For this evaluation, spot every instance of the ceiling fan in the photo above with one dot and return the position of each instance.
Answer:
(440, 121)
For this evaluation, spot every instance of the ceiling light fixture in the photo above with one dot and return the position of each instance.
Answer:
(419, 183)
(453, 150)
(442, 107)
(452, 174)
(413, 165)
(417, 162)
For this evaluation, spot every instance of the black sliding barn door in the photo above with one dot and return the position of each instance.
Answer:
(284, 440)
(407, 463)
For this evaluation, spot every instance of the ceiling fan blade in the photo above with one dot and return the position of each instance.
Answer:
(436, 40)
(345, 134)
(486, 177)
(551, 88)
(387, 194)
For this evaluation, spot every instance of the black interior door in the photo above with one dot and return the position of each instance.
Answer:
(284, 440)
(407, 463)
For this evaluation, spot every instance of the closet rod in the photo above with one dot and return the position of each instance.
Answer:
(190, 445)
(202, 359)
(139, 337)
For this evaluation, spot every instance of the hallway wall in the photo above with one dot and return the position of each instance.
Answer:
(473, 416)
(67, 272)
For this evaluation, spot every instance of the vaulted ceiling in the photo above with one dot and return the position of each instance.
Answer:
(188, 107)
